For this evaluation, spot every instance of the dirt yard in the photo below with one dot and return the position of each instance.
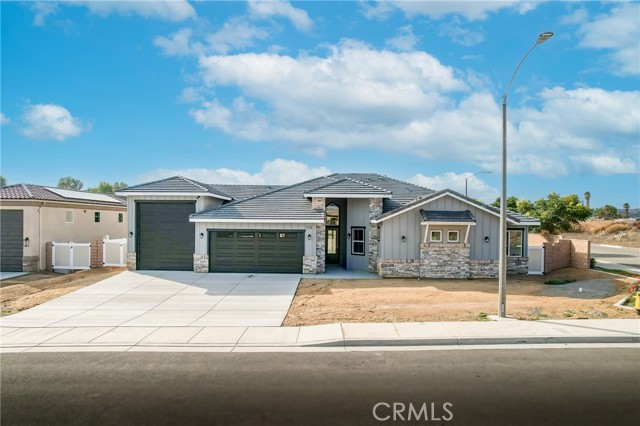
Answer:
(320, 301)
(27, 291)
(616, 232)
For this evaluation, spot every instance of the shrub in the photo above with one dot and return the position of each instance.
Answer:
(559, 281)
(633, 293)
(592, 262)
(615, 228)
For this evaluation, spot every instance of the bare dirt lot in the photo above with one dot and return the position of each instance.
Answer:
(624, 233)
(320, 301)
(27, 291)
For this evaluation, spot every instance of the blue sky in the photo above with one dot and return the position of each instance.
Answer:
(278, 92)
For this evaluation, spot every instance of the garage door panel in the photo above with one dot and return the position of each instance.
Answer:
(165, 237)
(11, 240)
(256, 251)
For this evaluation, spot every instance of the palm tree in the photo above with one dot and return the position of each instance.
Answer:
(587, 196)
(625, 206)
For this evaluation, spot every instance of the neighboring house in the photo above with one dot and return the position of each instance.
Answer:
(32, 215)
(360, 221)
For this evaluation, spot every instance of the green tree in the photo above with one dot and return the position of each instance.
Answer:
(559, 213)
(107, 188)
(626, 206)
(606, 212)
(587, 197)
(70, 183)
(512, 203)
(3, 181)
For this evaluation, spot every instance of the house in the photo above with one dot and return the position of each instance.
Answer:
(32, 215)
(359, 221)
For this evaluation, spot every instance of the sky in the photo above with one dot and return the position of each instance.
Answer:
(276, 92)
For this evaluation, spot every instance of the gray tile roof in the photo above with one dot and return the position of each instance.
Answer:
(240, 192)
(175, 184)
(25, 191)
(350, 187)
(447, 216)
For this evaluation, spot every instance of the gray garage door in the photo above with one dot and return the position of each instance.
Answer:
(164, 235)
(256, 251)
(11, 243)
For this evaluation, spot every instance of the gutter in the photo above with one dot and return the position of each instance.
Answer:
(40, 238)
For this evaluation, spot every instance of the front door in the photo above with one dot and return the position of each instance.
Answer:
(333, 245)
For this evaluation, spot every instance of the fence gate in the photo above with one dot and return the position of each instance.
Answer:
(536, 260)
(113, 252)
(70, 256)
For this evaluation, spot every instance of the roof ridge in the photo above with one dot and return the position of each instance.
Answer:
(27, 189)
(148, 183)
(328, 184)
(194, 182)
(368, 185)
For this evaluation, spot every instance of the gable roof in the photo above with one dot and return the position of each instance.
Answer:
(291, 203)
(176, 185)
(348, 187)
(512, 217)
(29, 192)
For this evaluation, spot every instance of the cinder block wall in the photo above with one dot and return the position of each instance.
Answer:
(561, 253)
(580, 253)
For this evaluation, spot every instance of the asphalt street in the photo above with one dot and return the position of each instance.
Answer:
(626, 256)
(591, 386)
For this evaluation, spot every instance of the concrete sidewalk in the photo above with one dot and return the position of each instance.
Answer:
(318, 338)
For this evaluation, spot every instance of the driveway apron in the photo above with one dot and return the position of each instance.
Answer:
(168, 299)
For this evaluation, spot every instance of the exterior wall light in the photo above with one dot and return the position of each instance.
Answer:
(348, 236)
(486, 239)
(404, 239)
(26, 241)
(201, 235)
(130, 234)
(309, 237)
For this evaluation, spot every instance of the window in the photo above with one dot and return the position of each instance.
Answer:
(120, 217)
(96, 217)
(68, 216)
(246, 235)
(357, 241)
(289, 235)
(435, 236)
(514, 242)
(333, 215)
(266, 234)
(453, 236)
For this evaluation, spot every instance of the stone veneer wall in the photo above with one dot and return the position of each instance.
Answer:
(375, 209)
(131, 261)
(399, 268)
(517, 265)
(201, 263)
(319, 203)
(30, 263)
(309, 264)
(439, 260)
(484, 268)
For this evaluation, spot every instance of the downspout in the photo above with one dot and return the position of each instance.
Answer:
(40, 239)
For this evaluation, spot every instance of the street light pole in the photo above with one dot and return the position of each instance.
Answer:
(502, 265)
(467, 179)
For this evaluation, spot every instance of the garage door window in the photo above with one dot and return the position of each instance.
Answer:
(267, 235)
(289, 235)
(246, 235)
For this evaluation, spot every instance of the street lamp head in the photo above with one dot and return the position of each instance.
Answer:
(544, 37)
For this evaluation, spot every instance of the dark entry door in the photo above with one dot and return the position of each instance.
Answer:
(333, 245)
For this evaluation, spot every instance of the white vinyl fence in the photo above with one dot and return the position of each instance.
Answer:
(536, 260)
(113, 252)
(71, 255)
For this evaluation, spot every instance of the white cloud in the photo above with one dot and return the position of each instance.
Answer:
(471, 10)
(41, 10)
(275, 172)
(604, 164)
(236, 33)
(460, 35)
(618, 32)
(404, 41)
(165, 10)
(179, 44)
(360, 98)
(477, 188)
(50, 121)
(267, 9)
(4, 119)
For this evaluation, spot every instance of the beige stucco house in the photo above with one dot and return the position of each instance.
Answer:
(32, 215)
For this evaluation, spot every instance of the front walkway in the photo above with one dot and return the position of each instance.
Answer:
(168, 298)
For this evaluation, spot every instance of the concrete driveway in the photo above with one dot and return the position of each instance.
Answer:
(168, 298)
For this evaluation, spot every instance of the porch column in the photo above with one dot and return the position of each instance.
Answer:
(375, 209)
(319, 203)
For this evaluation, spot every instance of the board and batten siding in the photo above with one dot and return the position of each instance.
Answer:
(408, 224)
(202, 244)
(358, 215)
(202, 204)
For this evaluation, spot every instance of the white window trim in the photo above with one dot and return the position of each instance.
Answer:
(431, 240)
(508, 241)
(353, 241)
(72, 216)
(457, 240)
